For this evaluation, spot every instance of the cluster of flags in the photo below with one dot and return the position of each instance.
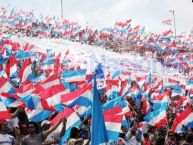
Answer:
(36, 81)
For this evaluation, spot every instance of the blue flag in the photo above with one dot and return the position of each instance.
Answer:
(100, 78)
(98, 135)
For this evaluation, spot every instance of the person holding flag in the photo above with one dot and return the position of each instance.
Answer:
(98, 130)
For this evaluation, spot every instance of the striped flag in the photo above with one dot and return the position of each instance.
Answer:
(113, 120)
(81, 97)
(72, 120)
(98, 131)
(4, 113)
(37, 115)
(156, 118)
(167, 22)
(185, 118)
(25, 70)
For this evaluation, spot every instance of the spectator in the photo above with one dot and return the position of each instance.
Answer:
(146, 139)
(160, 141)
(35, 137)
(52, 138)
(5, 139)
(76, 138)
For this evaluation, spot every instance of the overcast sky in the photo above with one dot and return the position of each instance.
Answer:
(103, 13)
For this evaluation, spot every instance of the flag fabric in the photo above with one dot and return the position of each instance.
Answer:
(182, 103)
(98, 131)
(125, 88)
(37, 115)
(141, 80)
(72, 121)
(74, 75)
(52, 96)
(112, 89)
(50, 81)
(25, 89)
(145, 106)
(168, 22)
(100, 78)
(116, 74)
(189, 84)
(113, 120)
(156, 118)
(184, 118)
(5, 86)
(11, 101)
(118, 101)
(81, 110)
(81, 96)
(25, 70)
(11, 67)
(3, 111)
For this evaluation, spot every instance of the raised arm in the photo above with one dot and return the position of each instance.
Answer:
(63, 128)
(51, 129)
(16, 112)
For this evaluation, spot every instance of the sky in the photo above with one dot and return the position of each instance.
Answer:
(104, 13)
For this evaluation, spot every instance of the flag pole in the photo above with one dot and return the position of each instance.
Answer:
(174, 19)
(61, 8)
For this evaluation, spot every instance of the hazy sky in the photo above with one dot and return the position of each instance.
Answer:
(103, 13)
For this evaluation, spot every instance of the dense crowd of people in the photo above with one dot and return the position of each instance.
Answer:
(120, 38)
(21, 129)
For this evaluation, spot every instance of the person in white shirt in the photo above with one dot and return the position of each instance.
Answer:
(5, 139)
(52, 138)
(132, 138)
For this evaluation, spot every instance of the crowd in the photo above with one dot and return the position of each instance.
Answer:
(26, 88)
(170, 50)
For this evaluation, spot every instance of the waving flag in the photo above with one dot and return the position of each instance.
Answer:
(5, 86)
(25, 89)
(52, 96)
(156, 118)
(116, 74)
(48, 65)
(189, 84)
(185, 118)
(37, 115)
(81, 110)
(11, 67)
(141, 80)
(160, 87)
(182, 104)
(50, 81)
(4, 113)
(125, 88)
(12, 11)
(168, 22)
(146, 90)
(118, 101)
(34, 100)
(162, 100)
(100, 78)
(22, 55)
(82, 96)
(113, 119)
(72, 121)
(25, 70)
(112, 88)
(98, 131)
(166, 35)
(145, 106)
(74, 75)
(11, 100)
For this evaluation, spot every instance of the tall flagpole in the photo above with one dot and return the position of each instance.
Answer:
(62, 8)
(173, 13)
